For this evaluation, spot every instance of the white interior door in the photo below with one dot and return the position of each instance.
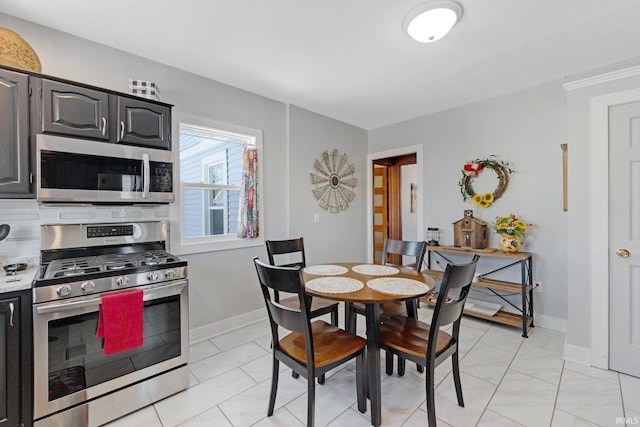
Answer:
(624, 247)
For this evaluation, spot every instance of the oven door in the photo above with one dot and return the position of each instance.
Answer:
(77, 170)
(69, 365)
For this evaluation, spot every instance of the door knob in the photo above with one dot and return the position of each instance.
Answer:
(622, 253)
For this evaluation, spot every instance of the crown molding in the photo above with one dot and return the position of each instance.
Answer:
(602, 78)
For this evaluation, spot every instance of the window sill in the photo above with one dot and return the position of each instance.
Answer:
(196, 247)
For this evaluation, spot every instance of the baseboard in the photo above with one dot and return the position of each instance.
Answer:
(210, 330)
(550, 322)
(574, 353)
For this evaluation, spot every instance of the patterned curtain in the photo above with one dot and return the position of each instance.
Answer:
(249, 212)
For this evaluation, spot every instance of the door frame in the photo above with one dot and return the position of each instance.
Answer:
(419, 178)
(599, 226)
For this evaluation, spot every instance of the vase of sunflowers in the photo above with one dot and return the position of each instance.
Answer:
(512, 232)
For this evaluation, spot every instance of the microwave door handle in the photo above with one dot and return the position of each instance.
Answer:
(146, 176)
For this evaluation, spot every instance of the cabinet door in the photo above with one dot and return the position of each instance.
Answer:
(14, 135)
(143, 123)
(74, 110)
(10, 391)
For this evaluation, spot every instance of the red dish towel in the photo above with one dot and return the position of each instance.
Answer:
(120, 321)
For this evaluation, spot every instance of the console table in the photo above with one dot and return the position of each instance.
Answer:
(511, 260)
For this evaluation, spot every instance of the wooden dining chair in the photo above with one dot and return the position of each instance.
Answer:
(427, 344)
(287, 249)
(310, 348)
(392, 308)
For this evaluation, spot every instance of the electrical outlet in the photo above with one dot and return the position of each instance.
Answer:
(537, 285)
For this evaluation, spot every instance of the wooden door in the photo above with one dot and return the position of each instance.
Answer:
(380, 226)
(394, 208)
(624, 246)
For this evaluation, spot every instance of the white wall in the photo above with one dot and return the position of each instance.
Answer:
(588, 254)
(337, 237)
(524, 128)
(223, 284)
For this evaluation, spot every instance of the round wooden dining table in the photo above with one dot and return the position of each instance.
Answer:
(372, 276)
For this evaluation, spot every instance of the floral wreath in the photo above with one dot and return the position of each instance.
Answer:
(470, 171)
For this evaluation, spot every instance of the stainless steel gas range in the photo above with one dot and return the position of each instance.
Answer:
(75, 383)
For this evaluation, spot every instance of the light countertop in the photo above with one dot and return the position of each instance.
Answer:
(19, 282)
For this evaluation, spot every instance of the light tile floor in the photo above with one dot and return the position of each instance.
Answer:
(507, 380)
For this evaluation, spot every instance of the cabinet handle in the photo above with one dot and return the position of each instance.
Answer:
(11, 314)
(104, 126)
(121, 129)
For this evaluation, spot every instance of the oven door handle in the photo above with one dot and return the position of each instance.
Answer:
(151, 293)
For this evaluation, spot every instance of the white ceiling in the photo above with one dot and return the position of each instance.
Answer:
(350, 59)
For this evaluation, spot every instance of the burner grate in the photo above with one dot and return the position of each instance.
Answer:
(155, 258)
(72, 267)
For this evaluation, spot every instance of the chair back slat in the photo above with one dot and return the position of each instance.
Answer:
(456, 276)
(451, 311)
(285, 279)
(281, 249)
(286, 317)
(406, 248)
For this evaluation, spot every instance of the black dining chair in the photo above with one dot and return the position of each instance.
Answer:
(287, 249)
(427, 344)
(310, 348)
(393, 308)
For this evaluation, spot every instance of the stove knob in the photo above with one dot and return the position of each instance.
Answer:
(122, 281)
(88, 286)
(170, 274)
(152, 276)
(64, 290)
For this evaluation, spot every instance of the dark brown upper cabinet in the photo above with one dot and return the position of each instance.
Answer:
(73, 110)
(142, 123)
(15, 172)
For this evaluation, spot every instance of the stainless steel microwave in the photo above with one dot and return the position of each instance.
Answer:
(73, 170)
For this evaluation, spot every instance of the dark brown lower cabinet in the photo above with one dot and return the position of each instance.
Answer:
(15, 359)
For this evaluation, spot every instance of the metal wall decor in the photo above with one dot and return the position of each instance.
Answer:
(334, 181)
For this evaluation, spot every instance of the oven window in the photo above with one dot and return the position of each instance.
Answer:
(75, 355)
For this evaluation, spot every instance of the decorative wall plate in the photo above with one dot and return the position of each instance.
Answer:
(16, 52)
(334, 181)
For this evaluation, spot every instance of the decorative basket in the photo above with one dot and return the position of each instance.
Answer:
(16, 52)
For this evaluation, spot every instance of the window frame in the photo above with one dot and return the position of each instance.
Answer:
(179, 244)
(207, 163)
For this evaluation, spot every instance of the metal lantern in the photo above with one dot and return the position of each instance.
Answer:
(433, 236)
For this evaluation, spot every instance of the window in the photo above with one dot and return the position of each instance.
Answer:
(219, 187)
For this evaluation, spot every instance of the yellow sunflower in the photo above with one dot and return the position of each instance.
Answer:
(477, 198)
(488, 197)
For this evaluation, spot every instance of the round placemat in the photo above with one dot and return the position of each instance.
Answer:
(375, 270)
(398, 286)
(334, 285)
(325, 270)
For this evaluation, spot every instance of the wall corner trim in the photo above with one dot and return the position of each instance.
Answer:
(602, 78)
(224, 326)
(574, 353)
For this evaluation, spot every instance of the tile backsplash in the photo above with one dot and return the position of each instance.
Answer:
(25, 217)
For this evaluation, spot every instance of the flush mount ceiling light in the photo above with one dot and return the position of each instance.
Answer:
(432, 21)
